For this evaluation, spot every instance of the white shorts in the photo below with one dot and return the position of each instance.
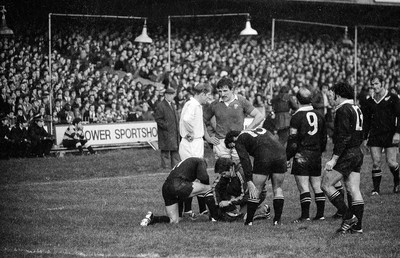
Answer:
(194, 148)
(221, 151)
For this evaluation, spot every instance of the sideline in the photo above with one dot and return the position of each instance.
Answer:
(87, 180)
(76, 253)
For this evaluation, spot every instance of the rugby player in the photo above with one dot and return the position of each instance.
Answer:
(347, 159)
(382, 131)
(307, 140)
(180, 185)
(230, 191)
(269, 161)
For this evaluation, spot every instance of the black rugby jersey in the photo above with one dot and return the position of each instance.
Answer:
(348, 131)
(191, 169)
(260, 144)
(307, 132)
(381, 117)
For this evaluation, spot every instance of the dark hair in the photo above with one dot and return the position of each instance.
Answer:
(76, 121)
(223, 164)
(377, 76)
(225, 82)
(304, 96)
(229, 137)
(344, 90)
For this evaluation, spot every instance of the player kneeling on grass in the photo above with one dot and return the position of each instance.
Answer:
(230, 190)
(180, 185)
(347, 160)
(307, 141)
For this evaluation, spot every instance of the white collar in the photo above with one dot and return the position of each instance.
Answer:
(235, 97)
(348, 101)
(306, 108)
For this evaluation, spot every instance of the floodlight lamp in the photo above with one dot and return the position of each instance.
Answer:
(248, 30)
(144, 38)
(346, 41)
(4, 30)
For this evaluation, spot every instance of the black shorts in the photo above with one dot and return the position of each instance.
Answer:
(383, 140)
(175, 190)
(307, 163)
(351, 160)
(271, 167)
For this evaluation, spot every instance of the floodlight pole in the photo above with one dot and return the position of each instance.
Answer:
(194, 16)
(50, 61)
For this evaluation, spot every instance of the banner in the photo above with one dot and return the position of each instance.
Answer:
(114, 133)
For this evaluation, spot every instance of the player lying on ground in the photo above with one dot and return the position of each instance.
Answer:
(230, 191)
(180, 185)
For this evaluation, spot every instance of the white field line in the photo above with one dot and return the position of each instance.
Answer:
(76, 253)
(89, 180)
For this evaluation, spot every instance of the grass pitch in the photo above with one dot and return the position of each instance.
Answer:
(91, 206)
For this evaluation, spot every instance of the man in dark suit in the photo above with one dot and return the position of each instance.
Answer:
(168, 129)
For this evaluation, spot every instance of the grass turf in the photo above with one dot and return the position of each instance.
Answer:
(91, 206)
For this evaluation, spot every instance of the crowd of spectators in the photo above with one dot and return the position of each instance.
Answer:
(101, 75)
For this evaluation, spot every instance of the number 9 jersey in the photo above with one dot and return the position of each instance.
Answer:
(307, 132)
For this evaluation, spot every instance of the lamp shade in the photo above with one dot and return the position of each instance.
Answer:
(4, 30)
(248, 30)
(144, 38)
(347, 42)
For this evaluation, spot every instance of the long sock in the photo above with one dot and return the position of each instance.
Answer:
(209, 200)
(202, 204)
(160, 219)
(395, 173)
(278, 203)
(376, 179)
(358, 210)
(188, 204)
(320, 203)
(305, 201)
(180, 208)
(337, 199)
(349, 200)
(340, 188)
(252, 205)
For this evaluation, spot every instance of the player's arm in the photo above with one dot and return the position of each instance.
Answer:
(240, 196)
(342, 138)
(324, 135)
(366, 110)
(257, 118)
(220, 186)
(396, 104)
(344, 130)
(244, 161)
